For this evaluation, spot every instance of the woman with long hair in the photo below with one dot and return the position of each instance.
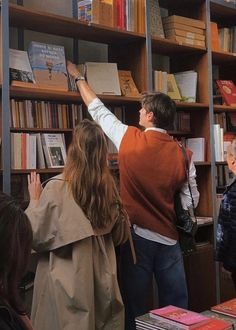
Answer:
(15, 247)
(77, 220)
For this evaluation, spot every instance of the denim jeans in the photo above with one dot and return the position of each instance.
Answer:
(165, 262)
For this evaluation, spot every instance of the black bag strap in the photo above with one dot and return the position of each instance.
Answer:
(187, 165)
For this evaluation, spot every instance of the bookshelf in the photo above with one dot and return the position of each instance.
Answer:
(121, 44)
(225, 62)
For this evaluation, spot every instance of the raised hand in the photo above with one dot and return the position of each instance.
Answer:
(34, 186)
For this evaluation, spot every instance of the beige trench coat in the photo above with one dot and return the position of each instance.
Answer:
(76, 283)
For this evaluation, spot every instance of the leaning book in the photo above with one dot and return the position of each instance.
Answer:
(49, 65)
(228, 308)
(54, 149)
(20, 69)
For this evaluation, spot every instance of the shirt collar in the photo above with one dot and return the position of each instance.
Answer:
(155, 129)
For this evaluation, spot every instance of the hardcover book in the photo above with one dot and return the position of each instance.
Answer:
(228, 91)
(49, 65)
(20, 69)
(156, 20)
(54, 149)
(228, 308)
(215, 325)
(178, 316)
(172, 88)
(127, 84)
(187, 84)
(218, 316)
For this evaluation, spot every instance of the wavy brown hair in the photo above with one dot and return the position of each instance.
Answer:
(15, 246)
(88, 175)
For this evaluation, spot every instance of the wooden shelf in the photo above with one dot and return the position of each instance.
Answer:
(43, 94)
(45, 22)
(38, 170)
(169, 47)
(224, 108)
(43, 130)
(223, 58)
(191, 105)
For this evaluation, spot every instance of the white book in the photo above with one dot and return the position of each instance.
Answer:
(31, 151)
(20, 68)
(187, 84)
(54, 149)
(103, 78)
(197, 145)
(218, 143)
(40, 161)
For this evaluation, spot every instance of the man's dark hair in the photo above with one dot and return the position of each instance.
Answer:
(163, 108)
(15, 246)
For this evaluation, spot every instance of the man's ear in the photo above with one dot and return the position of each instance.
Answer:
(150, 116)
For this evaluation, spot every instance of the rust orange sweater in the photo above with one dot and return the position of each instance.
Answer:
(151, 172)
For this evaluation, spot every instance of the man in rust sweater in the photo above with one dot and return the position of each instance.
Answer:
(151, 172)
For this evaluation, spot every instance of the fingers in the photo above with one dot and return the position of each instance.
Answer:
(33, 177)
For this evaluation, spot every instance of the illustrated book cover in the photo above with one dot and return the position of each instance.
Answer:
(228, 308)
(228, 91)
(49, 65)
(127, 84)
(54, 149)
(20, 69)
(179, 316)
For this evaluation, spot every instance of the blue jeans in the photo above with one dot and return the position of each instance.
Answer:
(165, 262)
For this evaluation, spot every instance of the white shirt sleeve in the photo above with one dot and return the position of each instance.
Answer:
(185, 193)
(110, 124)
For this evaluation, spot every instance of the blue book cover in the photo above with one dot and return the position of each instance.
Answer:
(49, 65)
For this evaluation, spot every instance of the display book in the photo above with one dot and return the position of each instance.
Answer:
(175, 318)
(227, 90)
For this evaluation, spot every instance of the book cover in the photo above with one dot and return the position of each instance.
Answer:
(228, 308)
(96, 11)
(228, 91)
(179, 316)
(218, 316)
(187, 84)
(215, 325)
(103, 78)
(197, 145)
(172, 88)
(215, 45)
(20, 69)
(49, 65)
(148, 322)
(156, 20)
(54, 149)
(127, 84)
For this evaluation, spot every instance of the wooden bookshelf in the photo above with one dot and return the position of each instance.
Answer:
(129, 50)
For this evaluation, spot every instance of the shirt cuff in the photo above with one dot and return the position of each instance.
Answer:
(95, 102)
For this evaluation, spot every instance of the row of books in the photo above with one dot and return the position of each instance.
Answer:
(223, 38)
(224, 176)
(220, 317)
(226, 120)
(31, 151)
(44, 66)
(180, 86)
(221, 142)
(43, 114)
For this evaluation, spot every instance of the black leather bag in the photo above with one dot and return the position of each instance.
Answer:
(186, 223)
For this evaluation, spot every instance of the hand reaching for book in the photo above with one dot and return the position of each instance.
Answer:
(72, 69)
(34, 186)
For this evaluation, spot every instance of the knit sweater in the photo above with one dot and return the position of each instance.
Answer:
(152, 170)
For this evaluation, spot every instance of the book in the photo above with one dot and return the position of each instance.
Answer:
(231, 320)
(215, 324)
(172, 88)
(127, 84)
(173, 25)
(187, 84)
(180, 317)
(228, 308)
(185, 34)
(215, 46)
(197, 145)
(185, 20)
(103, 78)
(54, 149)
(20, 69)
(228, 91)
(146, 321)
(156, 20)
(48, 65)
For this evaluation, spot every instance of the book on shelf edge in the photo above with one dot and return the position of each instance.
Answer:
(179, 316)
(228, 308)
(48, 65)
(20, 69)
(228, 91)
(127, 84)
(54, 149)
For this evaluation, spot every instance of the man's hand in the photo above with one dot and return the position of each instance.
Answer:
(72, 69)
(34, 186)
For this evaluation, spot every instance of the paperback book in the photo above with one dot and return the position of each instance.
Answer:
(49, 65)
(20, 69)
(228, 308)
(54, 149)
(183, 318)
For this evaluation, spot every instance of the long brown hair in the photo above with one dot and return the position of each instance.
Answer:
(88, 175)
(15, 246)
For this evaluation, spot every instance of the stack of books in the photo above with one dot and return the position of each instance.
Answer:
(175, 318)
(185, 30)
